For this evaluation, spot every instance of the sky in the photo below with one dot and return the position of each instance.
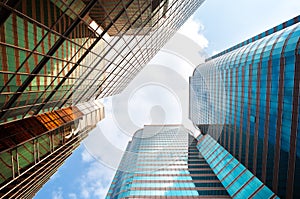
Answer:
(159, 94)
(226, 23)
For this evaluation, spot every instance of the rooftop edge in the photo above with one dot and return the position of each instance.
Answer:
(259, 36)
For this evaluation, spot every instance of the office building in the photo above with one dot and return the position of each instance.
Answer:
(164, 161)
(247, 99)
(234, 176)
(31, 150)
(59, 55)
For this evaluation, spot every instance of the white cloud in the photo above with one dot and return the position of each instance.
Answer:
(96, 181)
(86, 156)
(57, 194)
(135, 106)
(55, 175)
(85, 191)
(107, 143)
(215, 52)
(154, 103)
(72, 195)
(193, 29)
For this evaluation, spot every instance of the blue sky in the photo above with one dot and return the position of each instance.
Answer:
(80, 177)
(216, 26)
(227, 23)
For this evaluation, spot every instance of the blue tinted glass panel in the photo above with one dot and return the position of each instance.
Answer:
(241, 181)
(265, 192)
(232, 176)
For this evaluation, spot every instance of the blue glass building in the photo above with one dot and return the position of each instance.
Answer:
(247, 99)
(163, 161)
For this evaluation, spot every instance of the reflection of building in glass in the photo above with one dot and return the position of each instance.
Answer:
(247, 98)
(141, 14)
(234, 176)
(163, 160)
(31, 150)
(56, 53)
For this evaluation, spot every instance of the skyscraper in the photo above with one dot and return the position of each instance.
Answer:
(163, 161)
(59, 55)
(247, 99)
(31, 150)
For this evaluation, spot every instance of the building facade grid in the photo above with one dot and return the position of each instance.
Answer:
(58, 53)
(162, 161)
(249, 102)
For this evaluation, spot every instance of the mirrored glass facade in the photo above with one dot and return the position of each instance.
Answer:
(56, 58)
(58, 53)
(31, 150)
(247, 98)
(234, 176)
(162, 161)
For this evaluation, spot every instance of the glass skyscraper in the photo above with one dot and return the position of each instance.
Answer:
(247, 99)
(56, 58)
(57, 53)
(31, 150)
(166, 161)
(162, 161)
